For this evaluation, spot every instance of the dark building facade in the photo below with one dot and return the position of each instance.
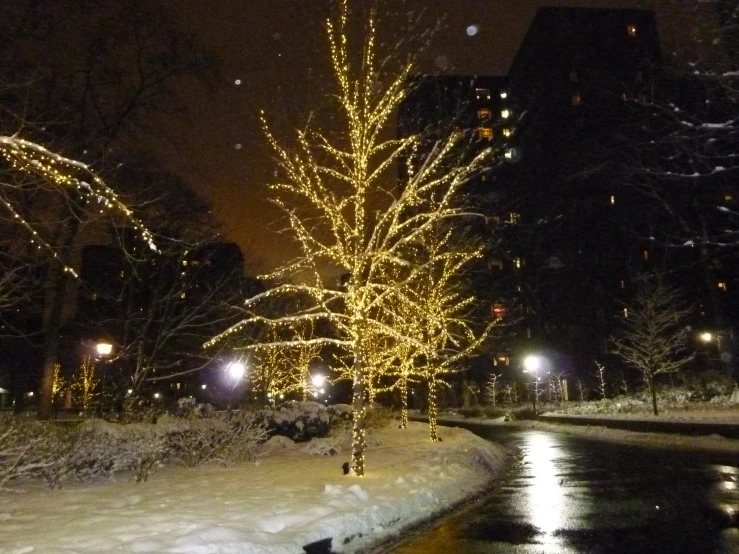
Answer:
(570, 225)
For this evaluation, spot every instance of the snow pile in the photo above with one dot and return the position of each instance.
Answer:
(301, 421)
(278, 505)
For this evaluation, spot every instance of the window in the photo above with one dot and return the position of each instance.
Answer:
(722, 286)
(728, 197)
(498, 310)
(505, 114)
(622, 284)
(517, 262)
(503, 94)
(574, 77)
(482, 93)
(485, 132)
(483, 113)
(631, 30)
(613, 199)
(576, 99)
(513, 217)
(510, 154)
(626, 312)
(184, 262)
(624, 96)
(507, 132)
(645, 254)
(183, 295)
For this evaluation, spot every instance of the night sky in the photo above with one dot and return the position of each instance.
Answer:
(274, 57)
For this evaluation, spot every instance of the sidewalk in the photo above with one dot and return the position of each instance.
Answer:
(724, 423)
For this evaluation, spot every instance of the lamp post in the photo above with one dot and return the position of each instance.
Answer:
(532, 364)
(104, 349)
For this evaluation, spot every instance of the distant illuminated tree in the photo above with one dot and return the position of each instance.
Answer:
(86, 383)
(344, 207)
(654, 338)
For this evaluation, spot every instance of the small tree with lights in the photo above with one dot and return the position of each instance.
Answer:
(654, 338)
(340, 195)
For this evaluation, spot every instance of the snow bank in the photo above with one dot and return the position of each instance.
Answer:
(276, 506)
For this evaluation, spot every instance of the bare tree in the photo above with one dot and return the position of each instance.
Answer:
(346, 211)
(654, 338)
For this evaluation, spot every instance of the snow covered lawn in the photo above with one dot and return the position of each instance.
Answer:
(285, 501)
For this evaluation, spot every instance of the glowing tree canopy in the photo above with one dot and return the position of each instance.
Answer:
(346, 210)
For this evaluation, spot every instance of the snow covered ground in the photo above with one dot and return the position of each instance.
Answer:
(285, 501)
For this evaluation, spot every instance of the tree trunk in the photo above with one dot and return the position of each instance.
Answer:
(358, 441)
(653, 390)
(432, 410)
(53, 322)
(403, 403)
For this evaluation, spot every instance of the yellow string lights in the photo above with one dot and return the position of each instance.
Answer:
(345, 210)
(66, 177)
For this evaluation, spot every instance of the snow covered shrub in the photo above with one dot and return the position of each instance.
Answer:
(79, 453)
(377, 417)
(199, 441)
(248, 431)
(144, 451)
(21, 449)
(323, 447)
(526, 412)
(340, 417)
(300, 421)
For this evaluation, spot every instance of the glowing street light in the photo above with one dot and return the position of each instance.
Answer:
(236, 370)
(706, 337)
(104, 348)
(532, 364)
(317, 380)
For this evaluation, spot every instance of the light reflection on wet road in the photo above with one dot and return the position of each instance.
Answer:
(566, 494)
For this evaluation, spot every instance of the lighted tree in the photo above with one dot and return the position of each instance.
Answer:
(284, 362)
(344, 207)
(86, 383)
(655, 338)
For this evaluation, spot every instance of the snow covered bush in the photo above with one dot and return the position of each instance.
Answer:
(198, 441)
(300, 421)
(324, 447)
(377, 417)
(144, 451)
(79, 453)
(21, 452)
(248, 431)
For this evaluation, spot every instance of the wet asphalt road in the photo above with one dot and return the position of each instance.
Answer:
(565, 494)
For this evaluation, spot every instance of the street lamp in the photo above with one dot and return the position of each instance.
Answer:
(236, 370)
(317, 380)
(104, 349)
(706, 337)
(532, 364)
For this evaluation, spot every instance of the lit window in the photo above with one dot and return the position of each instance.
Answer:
(178, 386)
(507, 132)
(482, 93)
(576, 99)
(93, 296)
(196, 263)
(503, 94)
(722, 286)
(626, 312)
(613, 199)
(728, 197)
(498, 310)
(513, 217)
(486, 132)
(183, 295)
(517, 262)
(622, 284)
(645, 254)
(184, 262)
(631, 30)
(510, 153)
(483, 113)
(624, 96)
(505, 114)
(574, 77)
